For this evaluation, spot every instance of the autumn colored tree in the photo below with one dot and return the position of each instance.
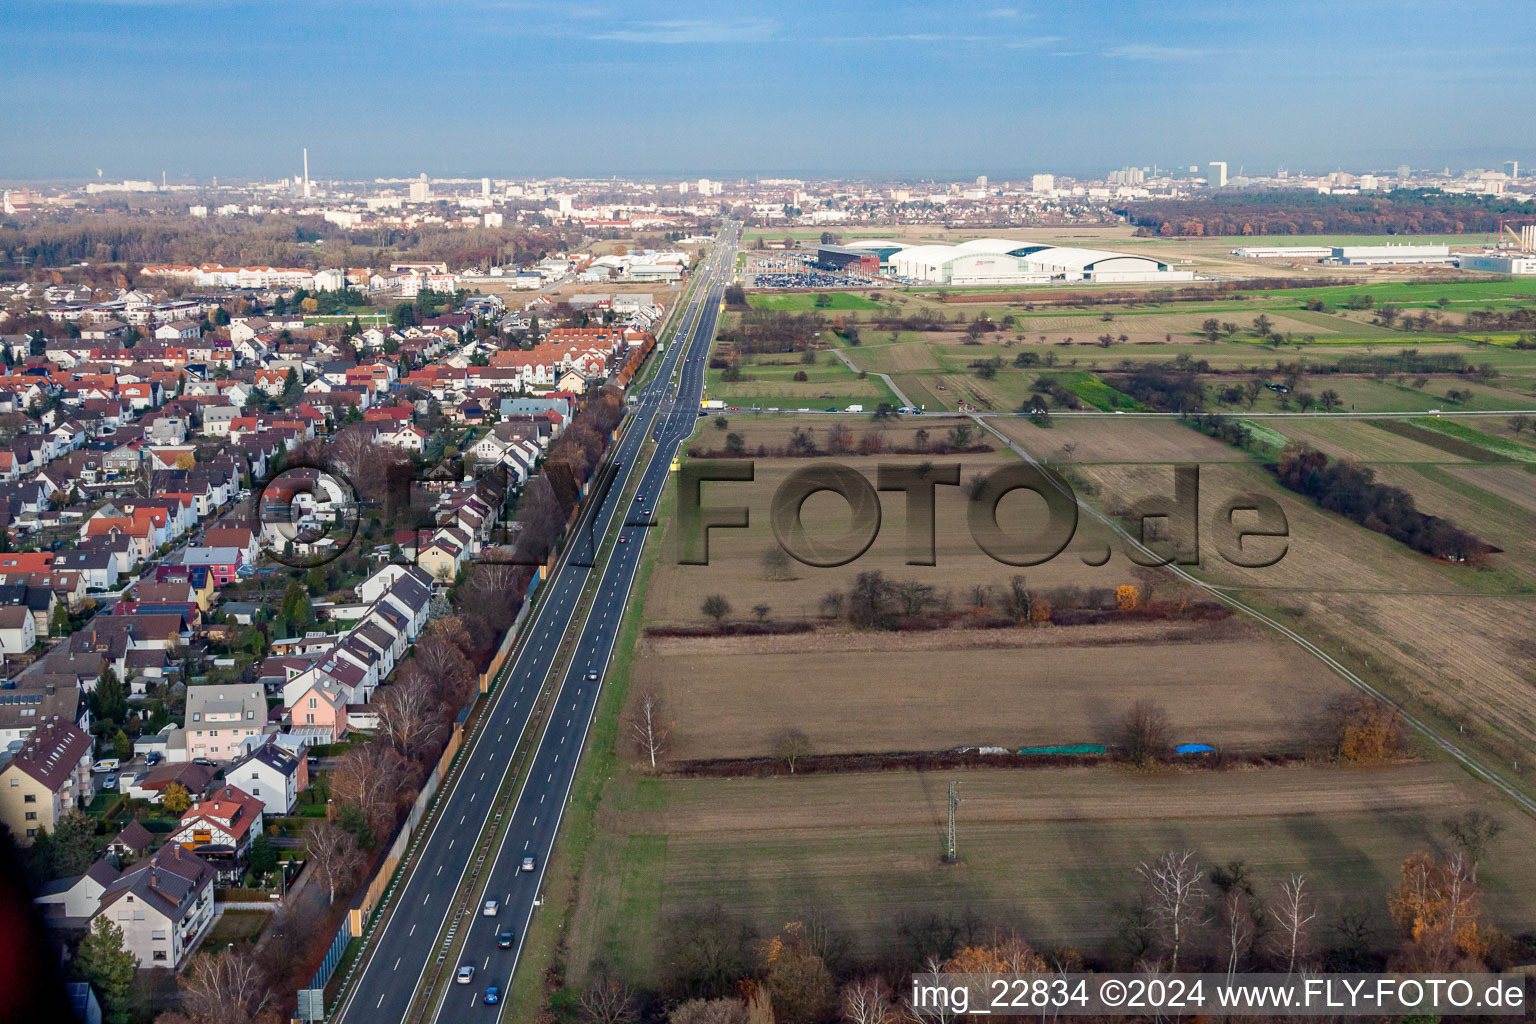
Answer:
(176, 799)
(1005, 954)
(1127, 597)
(796, 979)
(1436, 906)
(1369, 731)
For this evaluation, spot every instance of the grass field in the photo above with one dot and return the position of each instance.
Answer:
(1051, 852)
(804, 301)
(768, 382)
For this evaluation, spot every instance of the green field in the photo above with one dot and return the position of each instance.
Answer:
(769, 382)
(800, 302)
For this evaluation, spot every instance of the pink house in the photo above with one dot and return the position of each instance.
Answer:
(323, 704)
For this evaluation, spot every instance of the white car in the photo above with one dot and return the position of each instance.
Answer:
(466, 974)
(490, 908)
(527, 863)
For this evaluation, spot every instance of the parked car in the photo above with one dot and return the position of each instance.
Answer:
(110, 782)
(106, 764)
(151, 759)
(466, 974)
(490, 908)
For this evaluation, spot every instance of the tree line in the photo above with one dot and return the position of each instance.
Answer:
(1290, 212)
(1351, 490)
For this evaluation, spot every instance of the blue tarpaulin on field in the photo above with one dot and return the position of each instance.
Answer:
(1194, 748)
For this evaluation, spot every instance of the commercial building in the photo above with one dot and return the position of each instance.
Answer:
(1284, 252)
(841, 257)
(1390, 255)
(1002, 261)
(1518, 263)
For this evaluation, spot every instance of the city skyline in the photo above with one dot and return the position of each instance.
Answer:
(528, 89)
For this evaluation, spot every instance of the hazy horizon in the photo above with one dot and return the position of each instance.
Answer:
(508, 88)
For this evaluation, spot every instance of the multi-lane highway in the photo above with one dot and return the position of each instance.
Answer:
(403, 955)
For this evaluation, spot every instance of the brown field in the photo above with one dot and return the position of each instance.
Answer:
(1512, 483)
(1358, 440)
(1224, 683)
(1051, 852)
(1117, 439)
(1509, 525)
(1453, 641)
(735, 556)
(774, 429)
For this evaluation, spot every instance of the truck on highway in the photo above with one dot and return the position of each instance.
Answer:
(855, 408)
(712, 403)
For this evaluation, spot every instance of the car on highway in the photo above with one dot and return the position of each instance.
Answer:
(466, 974)
(492, 995)
(623, 539)
(591, 673)
(504, 939)
(490, 908)
(527, 863)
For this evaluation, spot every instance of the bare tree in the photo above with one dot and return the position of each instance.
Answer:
(335, 854)
(708, 1011)
(911, 1014)
(650, 726)
(716, 607)
(370, 776)
(408, 715)
(226, 987)
(1144, 733)
(790, 746)
(1237, 927)
(608, 999)
(776, 564)
(1294, 913)
(760, 611)
(868, 1001)
(1473, 832)
(1175, 896)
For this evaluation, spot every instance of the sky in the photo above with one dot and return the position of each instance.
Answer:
(198, 88)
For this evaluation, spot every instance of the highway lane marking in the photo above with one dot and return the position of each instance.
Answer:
(424, 902)
(397, 963)
(412, 931)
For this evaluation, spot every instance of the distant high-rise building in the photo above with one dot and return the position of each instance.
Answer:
(421, 190)
(1218, 175)
(1404, 172)
(682, 188)
(1512, 167)
(708, 188)
(485, 188)
(1042, 183)
(981, 179)
(307, 192)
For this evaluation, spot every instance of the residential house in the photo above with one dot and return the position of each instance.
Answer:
(50, 773)
(220, 718)
(220, 828)
(163, 904)
(272, 774)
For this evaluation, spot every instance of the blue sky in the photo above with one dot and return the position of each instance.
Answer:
(507, 87)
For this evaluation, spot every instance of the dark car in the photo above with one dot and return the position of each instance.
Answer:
(504, 939)
(492, 995)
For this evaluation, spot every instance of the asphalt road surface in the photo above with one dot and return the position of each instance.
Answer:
(403, 954)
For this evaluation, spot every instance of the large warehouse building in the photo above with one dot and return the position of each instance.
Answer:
(1002, 261)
